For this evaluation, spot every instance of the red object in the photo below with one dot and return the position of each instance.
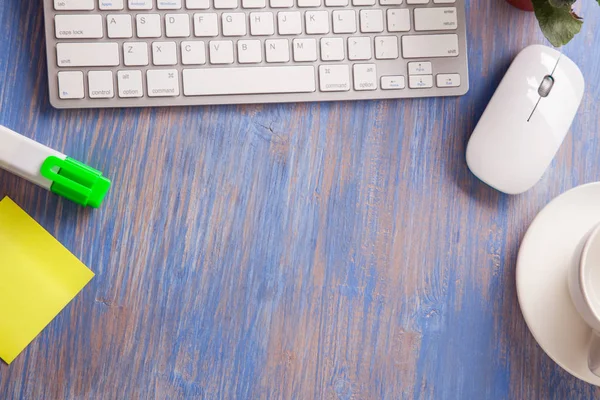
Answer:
(522, 4)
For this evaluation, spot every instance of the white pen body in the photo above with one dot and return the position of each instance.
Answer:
(24, 157)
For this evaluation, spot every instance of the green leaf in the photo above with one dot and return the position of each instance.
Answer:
(561, 3)
(558, 24)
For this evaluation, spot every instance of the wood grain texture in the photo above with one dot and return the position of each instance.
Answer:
(302, 251)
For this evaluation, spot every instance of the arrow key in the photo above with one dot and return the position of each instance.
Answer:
(419, 68)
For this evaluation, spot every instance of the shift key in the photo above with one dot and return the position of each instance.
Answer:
(87, 54)
(426, 46)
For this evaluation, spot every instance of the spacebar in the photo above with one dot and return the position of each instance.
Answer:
(248, 80)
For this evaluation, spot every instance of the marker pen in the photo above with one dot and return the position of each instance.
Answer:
(51, 169)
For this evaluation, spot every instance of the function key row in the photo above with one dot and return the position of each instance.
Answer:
(90, 5)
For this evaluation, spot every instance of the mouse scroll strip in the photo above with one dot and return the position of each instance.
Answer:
(540, 98)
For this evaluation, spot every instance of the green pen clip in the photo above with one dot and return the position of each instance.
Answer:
(75, 181)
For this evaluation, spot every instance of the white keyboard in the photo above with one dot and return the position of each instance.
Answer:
(135, 53)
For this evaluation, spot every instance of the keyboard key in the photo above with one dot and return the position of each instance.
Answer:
(334, 78)
(365, 77)
(73, 5)
(111, 5)
(363, 2)
(393, 82)
(398, 20)
(390, 2)
(78, 26)
(254, 3)
(435, 19)
(197, 4)
(148, 25)
(70, 85)
(177, 25)
(140, 4)
(336, 3)
(248, 80)
(448, 80)
(249, 51)
(317, 22)
(168, 4)
(206, 24)
(277, 50)
(119, 26)
(359, 48)
(163, 82)
(87, 54)
(344, 21)
(130, 84)
(426, 46)
(444, 1)
(289, 23)
(193, 53)
(309, 3)
(100, 84)
(221, 4)
(281, 3)
(221, 52)
(305, 50)
(371, 21)
(419, 68)
(417, 1)
(420, 81)
(164, 53)
(386, 47)
(332, 49)
(261, 24)
(135, 54)
(234, 24)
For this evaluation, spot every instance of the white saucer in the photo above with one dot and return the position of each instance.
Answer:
(544, 258)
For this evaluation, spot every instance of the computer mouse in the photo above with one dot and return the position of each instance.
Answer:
(526, 120)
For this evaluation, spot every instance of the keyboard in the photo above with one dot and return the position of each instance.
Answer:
(138, 53)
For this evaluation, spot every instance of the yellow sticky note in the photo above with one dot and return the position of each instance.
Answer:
(38, 278)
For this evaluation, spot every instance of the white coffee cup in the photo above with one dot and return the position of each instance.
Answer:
(584, 285)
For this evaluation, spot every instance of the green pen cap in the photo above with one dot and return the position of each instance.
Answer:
(75, 181)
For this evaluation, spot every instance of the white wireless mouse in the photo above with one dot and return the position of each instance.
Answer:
(526, 120)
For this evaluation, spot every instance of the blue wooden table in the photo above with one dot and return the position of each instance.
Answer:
(300, 251)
